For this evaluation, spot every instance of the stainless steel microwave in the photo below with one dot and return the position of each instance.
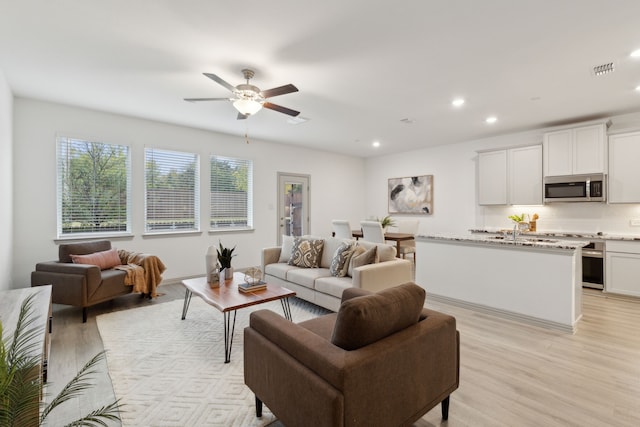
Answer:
(575, 188)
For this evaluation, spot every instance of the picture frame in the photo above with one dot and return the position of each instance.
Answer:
(411, 195)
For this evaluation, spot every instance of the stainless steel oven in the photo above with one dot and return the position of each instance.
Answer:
(593, 265)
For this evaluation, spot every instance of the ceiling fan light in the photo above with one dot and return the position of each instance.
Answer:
(247, 107)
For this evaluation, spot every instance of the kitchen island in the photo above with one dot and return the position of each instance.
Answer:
(531, 279)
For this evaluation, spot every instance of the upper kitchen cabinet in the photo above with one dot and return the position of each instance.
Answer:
(510, 176)
(624, 173)
(575, 151)
(492, 177)
(525, 175)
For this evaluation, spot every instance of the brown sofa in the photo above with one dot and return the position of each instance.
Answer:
(83, 285)
(382, 360)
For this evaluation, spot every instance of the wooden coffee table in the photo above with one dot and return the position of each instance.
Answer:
(228, 299)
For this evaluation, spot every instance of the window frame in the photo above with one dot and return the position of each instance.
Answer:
(196, 193)
(249, 194)
(61, 193)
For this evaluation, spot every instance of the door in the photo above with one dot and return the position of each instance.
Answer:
(293, 205)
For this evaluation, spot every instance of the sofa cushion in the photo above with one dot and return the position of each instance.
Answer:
(104, 260)
(279, 269)
(341, 259)
(331, 245)
(306, 252)
(333, 286)
(366, 319)
(307, 276)
(287, 247)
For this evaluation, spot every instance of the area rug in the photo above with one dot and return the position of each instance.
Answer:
(171, 372)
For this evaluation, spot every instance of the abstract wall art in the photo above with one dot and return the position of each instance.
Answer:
(411, 195)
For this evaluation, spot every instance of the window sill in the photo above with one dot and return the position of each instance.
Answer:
(231, 230)
(169, 233)
(93, 236)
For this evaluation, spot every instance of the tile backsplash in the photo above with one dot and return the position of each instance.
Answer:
(584, 217)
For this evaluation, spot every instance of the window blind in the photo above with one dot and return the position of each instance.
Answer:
(172, 194)
(231, 193)
(94, 191)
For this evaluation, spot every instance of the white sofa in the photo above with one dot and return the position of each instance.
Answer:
(318, 286)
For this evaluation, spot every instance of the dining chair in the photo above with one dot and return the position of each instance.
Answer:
(372, 231)
(409, 226)
(341, 229)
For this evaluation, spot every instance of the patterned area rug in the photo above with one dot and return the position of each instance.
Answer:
(170, 372)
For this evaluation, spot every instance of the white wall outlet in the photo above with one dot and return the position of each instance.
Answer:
(634, 222)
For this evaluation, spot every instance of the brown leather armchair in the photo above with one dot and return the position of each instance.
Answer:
(81, 285)
(382, 360)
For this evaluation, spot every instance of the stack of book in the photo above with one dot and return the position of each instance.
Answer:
(251, 287)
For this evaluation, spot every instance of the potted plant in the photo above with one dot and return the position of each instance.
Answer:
(21, 382)
(387, 221)
(224, 258)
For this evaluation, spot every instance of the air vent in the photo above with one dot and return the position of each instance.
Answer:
(600, 70)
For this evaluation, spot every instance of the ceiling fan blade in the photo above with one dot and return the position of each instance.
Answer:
(242, 116)
(280, 109)
(279, 91)
(220, 81)
(205, 99)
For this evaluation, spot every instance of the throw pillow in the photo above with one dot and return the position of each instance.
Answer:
(285, 250)
(104, 259)
(357, 250)
(306, 252)
(341, 258)
(366, 257)
(366, 319)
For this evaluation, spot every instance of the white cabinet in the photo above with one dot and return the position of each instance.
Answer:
(622, 267)
(492, 178)
(574, 151)
(624, 173)
(510, 176)
(525, 175)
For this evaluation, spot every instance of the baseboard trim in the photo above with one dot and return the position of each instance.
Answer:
(535, 321)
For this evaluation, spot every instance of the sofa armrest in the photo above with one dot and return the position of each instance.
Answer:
(270, 256)
(382, 275)
(91, 272)
(309, 349)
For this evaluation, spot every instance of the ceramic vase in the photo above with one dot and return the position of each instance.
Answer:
(211, 262)
(228, 273)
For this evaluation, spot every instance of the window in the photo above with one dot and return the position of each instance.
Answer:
(172, 200)
(231, 193)
(94, 193)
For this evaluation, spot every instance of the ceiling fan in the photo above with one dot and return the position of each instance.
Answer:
(249, 99)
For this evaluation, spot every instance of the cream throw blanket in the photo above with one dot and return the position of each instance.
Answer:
(144, 272)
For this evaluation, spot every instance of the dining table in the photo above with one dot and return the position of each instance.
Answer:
(391, 236)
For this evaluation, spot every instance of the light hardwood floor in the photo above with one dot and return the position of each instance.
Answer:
(511, 374)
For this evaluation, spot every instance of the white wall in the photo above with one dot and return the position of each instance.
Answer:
(6, 183)
(35, 127)
(455, 207)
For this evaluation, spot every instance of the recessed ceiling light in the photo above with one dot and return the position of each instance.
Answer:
(491, 120)
(375, 144)
(458, 102)
(638, 88)
(635, 54)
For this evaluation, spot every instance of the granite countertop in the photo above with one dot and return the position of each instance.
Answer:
(564, 234)
(525, 240)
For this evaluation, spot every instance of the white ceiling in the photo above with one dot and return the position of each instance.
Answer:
(361, 65)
